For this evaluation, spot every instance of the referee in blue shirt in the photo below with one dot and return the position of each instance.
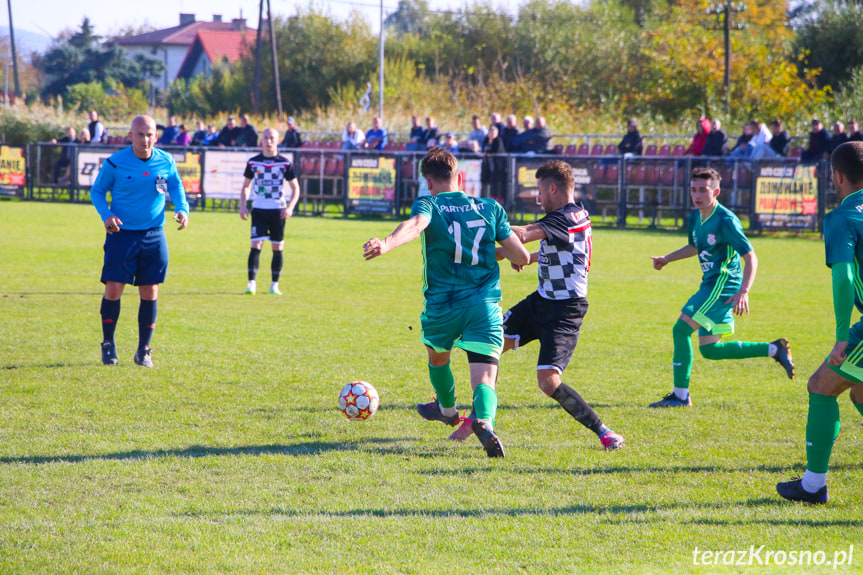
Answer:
(136, 251)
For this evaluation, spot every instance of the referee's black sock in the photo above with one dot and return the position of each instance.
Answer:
(254, 259)
(276, 266)
(575, 405)
(110, 311)
(146, 322)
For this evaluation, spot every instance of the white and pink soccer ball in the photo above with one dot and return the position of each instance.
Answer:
(358, 400)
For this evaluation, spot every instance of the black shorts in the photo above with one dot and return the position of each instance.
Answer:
(268, 225)
(555, 323)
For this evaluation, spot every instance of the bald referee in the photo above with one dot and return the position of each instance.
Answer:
(136, 251)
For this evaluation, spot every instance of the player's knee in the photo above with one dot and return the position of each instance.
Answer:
(548, 381)
(681, 329)
(857, 393)
(709, 351)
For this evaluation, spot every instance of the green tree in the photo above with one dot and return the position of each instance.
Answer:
(831, 37)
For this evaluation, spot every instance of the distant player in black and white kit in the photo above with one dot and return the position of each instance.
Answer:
(554, 312)
(266, 175)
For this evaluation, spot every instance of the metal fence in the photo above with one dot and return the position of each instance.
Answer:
(645, 191)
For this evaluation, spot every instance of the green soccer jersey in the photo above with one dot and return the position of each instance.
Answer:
(459, 265)
(843, 239)
(720, 242)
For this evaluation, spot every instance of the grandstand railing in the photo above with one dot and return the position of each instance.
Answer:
(648, 191)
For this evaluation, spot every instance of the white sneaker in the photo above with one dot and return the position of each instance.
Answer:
(250, 289)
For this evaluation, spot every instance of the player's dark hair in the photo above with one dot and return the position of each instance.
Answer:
(712, 176)
(557, 172)
(847, 159)
(439, 165)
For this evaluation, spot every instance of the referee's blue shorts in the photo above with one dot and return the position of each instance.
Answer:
(136, 257)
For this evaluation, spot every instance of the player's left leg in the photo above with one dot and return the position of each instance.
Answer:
(483, 374)
(151, 271)
(277, 239)
(822, 429)
(147, 311)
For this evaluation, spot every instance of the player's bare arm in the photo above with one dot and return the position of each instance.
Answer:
(244, 197)
(515, 251)
(741, 298)
(529, 233)
(295, 198)
(405, 232)
(686, 251)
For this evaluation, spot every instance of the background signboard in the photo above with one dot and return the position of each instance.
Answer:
(371, 185)
(786, 197)
(13, 171)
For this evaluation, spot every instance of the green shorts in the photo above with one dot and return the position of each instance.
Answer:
(852, 368)
(477, 328)
(708, 308)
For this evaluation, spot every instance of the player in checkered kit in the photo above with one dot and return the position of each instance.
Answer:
(265, 175)
(554, 312)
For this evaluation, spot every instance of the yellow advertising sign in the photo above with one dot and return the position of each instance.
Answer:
(12, 166)
(787, 190)
(372, 179)
(190, 172)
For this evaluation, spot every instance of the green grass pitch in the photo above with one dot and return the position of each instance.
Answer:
(231, 457)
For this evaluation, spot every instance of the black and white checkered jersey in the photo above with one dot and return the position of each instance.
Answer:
(268, 175)
(564, 255)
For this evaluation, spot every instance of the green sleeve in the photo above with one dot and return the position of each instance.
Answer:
(843, 298)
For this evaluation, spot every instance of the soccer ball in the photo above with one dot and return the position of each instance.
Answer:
(358, 400)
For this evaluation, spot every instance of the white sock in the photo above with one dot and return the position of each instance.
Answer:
(448, 411)
(772, 349)
(274, 286)
(812, 482)
(681, 392)
(252, 284)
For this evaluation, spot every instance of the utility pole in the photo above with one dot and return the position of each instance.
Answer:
(381, 63)
(15, 54)
(277, 86)
(725, 19)
(256, 94)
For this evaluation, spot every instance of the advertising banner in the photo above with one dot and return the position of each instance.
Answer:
(786, 196)
(13, 170)
(371, 185)
(526, 191)
(471, 172)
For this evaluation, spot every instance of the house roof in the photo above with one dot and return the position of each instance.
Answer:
(179, 35)
(230, 45)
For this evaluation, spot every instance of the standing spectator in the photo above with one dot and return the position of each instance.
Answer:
(135, 248)
(212, 137)
(64, 162)
(838, 137)
(509, 133)
(493, 170)
(376, 138)
(477, 136)
(853, 131)
(717, 140)
(248, 135)
(462, 289)
(352, 139)
(228, 135)
(96, 129)
(702, 128)
(742, 140)
(495, 120)
(431, 135)
(819, 144)
(266, 174)
(416, 136)
(632, 142)
(169, 132)
(184, 138)
(200, 133)
(450, 144)
(293, 137)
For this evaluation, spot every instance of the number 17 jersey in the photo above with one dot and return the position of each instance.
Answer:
(459, 264)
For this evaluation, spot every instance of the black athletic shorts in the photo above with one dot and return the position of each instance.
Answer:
(268, 225)
(555, 323)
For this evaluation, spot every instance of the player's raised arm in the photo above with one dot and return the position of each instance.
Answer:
(405, 232)
(686, 251)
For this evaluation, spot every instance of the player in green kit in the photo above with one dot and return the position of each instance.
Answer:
(462, 288)
(716, 237)
(843, 368)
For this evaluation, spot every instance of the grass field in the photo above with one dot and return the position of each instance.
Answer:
(230, 455)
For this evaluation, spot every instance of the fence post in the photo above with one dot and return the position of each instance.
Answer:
(823, 170)
(621, 191)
